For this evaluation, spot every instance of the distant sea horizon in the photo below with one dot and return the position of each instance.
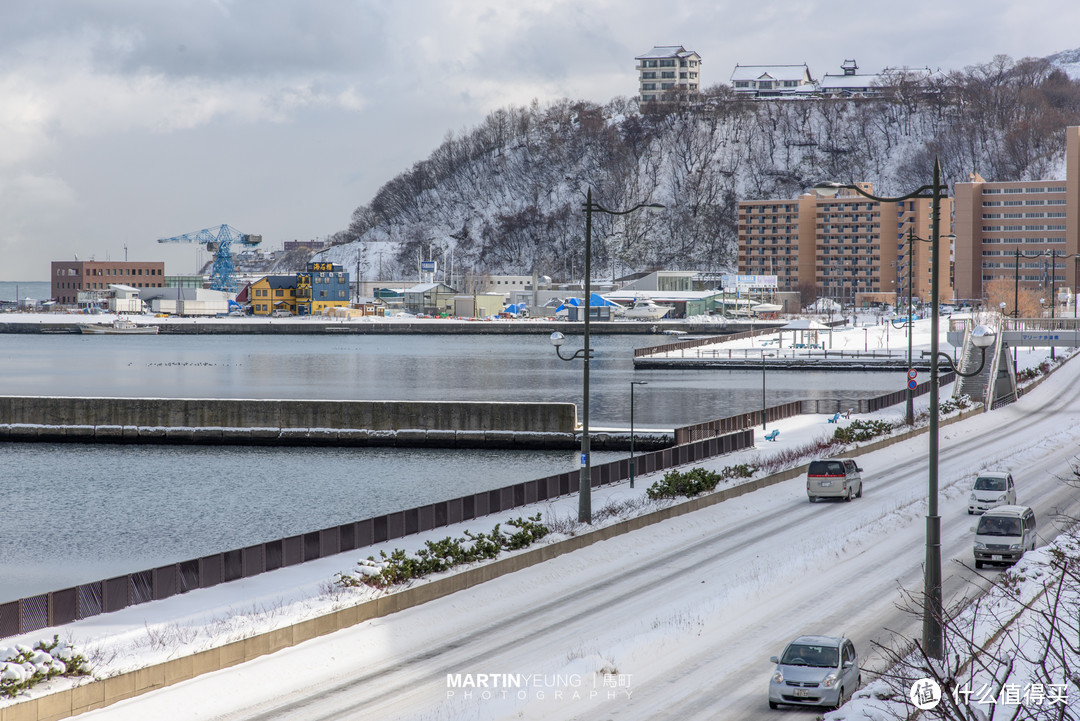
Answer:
(15, 289)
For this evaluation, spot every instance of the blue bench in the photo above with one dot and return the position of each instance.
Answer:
(835, 417)
(772, 436)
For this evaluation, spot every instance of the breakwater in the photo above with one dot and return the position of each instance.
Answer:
(322, 326)
(281, 422)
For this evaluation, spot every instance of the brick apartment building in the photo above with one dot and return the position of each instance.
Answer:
(70, 277)
(849, 248)
(994, 220)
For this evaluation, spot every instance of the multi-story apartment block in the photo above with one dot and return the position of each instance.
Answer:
(667, 68)
(997, 220)
(770, 81)
(849, 248)
(70, 277)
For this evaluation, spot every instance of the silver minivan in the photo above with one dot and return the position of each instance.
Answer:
(1004, 534)
(992, 488)
(834, 478)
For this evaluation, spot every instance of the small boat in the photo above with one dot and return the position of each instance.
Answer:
(120, 326)
(646, 309)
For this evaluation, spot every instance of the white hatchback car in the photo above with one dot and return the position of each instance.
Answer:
(992, 489)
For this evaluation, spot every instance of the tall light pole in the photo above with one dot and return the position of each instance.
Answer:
(909, 410)
(585, 477)
(933, 637)
(763, 390)
(1053, 295)
(632, 384)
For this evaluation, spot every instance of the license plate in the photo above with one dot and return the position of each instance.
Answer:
(997, 558)
(826, 484)
(801, 693)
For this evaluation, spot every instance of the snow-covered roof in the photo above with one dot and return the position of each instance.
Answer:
(771, 72)
(805, 324)
(849, 82)
(422, 287)
(666, 51)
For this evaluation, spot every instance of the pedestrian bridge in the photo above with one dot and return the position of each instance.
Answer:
(1041, 332)
(995, 384)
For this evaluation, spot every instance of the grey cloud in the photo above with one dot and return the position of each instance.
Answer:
(209, 39)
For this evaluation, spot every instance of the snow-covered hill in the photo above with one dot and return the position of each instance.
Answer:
(506, 196)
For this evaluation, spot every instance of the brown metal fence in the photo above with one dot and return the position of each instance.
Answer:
(696, 342)
(59, 607)
(710, 429)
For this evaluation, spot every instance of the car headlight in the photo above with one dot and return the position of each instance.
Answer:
(778, 677)
(829, 680)
(979, 546)
(1001, 498)
(973, 499)
(1014, 547)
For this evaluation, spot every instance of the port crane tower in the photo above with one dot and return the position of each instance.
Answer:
(219, 241)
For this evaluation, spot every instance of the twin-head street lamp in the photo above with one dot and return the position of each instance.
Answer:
(585, 479)
(933, 638)
(909, 409)
(982, 337)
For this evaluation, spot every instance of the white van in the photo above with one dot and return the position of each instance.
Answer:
(1004, 534)
(992, 488)
(834, 478)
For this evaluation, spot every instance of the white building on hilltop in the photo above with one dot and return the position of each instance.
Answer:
(770, 81)
(667, 68)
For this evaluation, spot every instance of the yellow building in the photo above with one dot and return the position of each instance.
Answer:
(273, 293)
(311, 292)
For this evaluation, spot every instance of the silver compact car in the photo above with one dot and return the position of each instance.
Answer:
(815, 671)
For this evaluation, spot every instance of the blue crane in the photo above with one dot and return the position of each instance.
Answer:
(219, 241)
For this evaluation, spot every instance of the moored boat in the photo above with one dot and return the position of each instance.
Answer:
(120, 326)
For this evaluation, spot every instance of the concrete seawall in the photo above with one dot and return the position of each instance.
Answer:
(309, 422)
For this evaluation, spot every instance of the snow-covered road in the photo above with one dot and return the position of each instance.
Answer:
(677, 620)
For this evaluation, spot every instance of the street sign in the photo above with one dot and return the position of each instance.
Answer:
(584, 460)
(912, 373)
(912, 385)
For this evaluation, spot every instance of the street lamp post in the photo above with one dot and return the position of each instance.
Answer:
(933, 637)
(909, 410)
(1053, 296)
(632, 384)
(763, 390)
(585, 477)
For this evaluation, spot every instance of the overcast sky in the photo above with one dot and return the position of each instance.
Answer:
(123, 121)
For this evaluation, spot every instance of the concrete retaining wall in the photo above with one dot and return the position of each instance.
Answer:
(276, 421)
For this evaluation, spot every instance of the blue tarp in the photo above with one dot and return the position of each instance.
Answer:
(595, 300)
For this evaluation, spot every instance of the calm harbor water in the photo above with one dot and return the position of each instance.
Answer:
(78, 513)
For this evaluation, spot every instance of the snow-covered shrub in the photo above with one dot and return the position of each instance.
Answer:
(442, 555)
(23, 667)
(695, 481)
(859, 430)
